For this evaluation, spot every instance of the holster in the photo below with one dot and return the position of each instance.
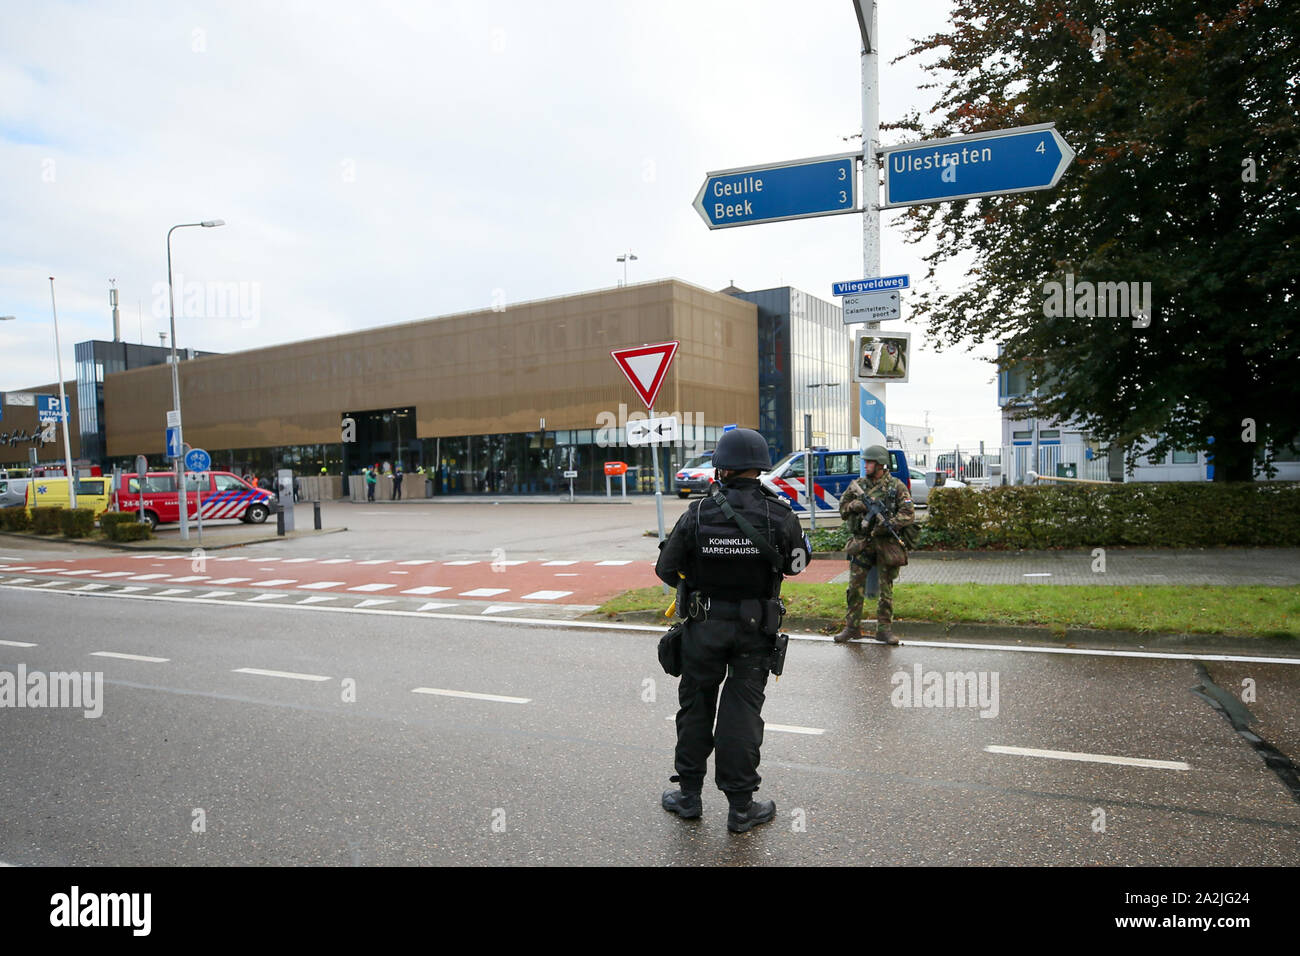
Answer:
(670, 650)
(762, 615)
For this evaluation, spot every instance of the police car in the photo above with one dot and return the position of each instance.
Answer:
(832, 473)
(695, 475)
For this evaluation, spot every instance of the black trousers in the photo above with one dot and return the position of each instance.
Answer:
(708, 648)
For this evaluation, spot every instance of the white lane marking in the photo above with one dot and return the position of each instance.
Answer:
(68, 573)
(149, 577)
(508, 564)
(214, 594)
(783, 728)
(545, 595)
(172, 557)
(561, 574)
(171, 591)
(114, 574)
(657, 629)
(1090, 758)
(471, 696)
(60, 571)
(273, 583)
(372, 587)
(460, 563)
(49, 584)
(427, 589)
(320, 585)
(557, 564)
(373, 602)
(148, 557)
(127, 589)
(399, 572)
(16, 644)
(434, 604)
(228, 580)
(240, 558)
(337, 561)
(188, 578)
(380, 561)
(483, 592)
(266, 597)
(297, 560)
(422, 561)
(21, 567)
(90, 587)
(289, 674)
(1038, 574)
(130, 657)
(21, 581)
(498, 608)
(611, 564)
(316, 599)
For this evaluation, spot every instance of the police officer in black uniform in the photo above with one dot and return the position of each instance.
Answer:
(729, 581)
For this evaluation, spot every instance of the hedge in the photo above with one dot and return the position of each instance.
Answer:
(47, 520)
(110, 518)
(128, 531)
(77, 522)
(1142, 514)
(15, 519)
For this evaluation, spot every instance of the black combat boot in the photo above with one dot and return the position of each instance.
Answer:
(685, 805)
(883, 633)
(757, 812)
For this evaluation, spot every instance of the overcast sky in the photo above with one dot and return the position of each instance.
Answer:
(383, 162)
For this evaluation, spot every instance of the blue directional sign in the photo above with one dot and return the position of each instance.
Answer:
(968, 167)
(196, 459)
(48, 409)
(173, 443)
(797, 189)
(882, 284)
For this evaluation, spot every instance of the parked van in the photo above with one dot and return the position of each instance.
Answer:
(93, 493)
(224, 495)
(695, 475)
(13, 492)
(832, 473)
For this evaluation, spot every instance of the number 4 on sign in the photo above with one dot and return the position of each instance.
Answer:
(1042, 147)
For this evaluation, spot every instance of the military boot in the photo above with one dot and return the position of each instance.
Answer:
(883, 633)
(686, 805)
(758, 812)
(851, 632)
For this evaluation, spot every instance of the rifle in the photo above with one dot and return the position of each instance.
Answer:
(876, 512)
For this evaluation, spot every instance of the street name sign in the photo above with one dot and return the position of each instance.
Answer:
(871, 285)
(871, 307)
(996, 163)
(646, 366)
(795, 189)
(652, 431)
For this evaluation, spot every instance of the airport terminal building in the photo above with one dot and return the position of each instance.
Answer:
(499, 401)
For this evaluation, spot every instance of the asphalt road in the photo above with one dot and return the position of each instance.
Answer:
(287, 771)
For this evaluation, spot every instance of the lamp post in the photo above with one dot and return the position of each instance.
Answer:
(625, 259)
(63, 407)
(182, 497)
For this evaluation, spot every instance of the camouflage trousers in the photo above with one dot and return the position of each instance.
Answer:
(857, 590)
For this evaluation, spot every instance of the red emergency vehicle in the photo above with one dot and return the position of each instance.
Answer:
(223, 494)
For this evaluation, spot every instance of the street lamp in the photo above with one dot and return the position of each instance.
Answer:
(182, 497)
(63, 407)
(625, 259)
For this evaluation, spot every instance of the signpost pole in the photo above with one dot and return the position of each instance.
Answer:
(63, 405)
(871, 396)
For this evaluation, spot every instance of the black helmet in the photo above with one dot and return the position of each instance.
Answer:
(878, 454)
(740, 450)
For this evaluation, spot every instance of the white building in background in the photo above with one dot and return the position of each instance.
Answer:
(1053, 448)
(916, 441)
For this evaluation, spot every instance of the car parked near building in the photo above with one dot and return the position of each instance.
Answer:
(695, 475)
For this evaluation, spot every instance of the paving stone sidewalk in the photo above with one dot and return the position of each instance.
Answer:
(1276, 567)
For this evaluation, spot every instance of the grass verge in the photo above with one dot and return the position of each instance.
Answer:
(1252, 611)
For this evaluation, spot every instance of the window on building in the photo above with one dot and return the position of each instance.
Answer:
(1050, 434)
(1022, 436)
(1184, 457)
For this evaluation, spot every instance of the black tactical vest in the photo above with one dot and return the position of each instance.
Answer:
(728, 565)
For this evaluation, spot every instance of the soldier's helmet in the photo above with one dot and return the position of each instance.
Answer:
(740, 450)
(878, 454)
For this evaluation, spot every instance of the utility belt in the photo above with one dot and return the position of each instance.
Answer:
(755, 614)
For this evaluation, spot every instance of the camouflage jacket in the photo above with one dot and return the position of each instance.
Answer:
(886, 488)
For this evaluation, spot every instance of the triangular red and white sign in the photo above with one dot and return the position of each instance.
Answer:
(646, 366)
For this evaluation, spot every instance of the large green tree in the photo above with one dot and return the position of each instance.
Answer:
(1184, 118)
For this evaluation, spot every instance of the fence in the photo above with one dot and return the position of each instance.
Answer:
(1053, 461)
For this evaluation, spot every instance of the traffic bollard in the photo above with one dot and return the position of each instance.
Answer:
(315, 507)
(279, 520)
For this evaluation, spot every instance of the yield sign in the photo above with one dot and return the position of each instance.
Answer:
(645, 367)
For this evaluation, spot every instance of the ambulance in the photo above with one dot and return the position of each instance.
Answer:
(224, 495)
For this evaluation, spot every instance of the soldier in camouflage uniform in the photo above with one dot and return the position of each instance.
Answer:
(872, 543)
